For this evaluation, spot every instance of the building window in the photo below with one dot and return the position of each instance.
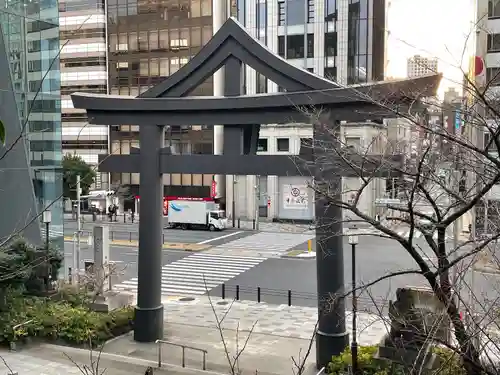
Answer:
(310, 11)
(493, 76)
(281, 13)
(353, 142)
(261, 16)
(281, 46)
(331, 10)
(305, 146)
(331, 74)
(493, 9)
(310, 45)
(331, 44)
(294, 46)
(262, 145)
(295, 12)
(283, 144)
(241, 11)
(261, 83)
(493, 42)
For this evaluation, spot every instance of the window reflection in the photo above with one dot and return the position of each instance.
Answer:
(330, 9)
(150, 40)
(296, 12)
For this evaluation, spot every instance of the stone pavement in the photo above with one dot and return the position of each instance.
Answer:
(279, 332)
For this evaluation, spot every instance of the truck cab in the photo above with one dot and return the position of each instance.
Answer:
(217, 220)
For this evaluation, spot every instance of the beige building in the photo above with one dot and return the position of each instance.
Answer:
(418, 66)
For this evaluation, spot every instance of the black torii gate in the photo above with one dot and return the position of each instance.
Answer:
(241, 115)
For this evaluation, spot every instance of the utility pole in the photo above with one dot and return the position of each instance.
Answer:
(76, 244)
(257, 199)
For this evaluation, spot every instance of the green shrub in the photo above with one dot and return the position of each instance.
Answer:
(60, 320)
(24, 266)
(368, 365)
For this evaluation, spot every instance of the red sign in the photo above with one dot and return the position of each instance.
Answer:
(209, 199)
(214, 192)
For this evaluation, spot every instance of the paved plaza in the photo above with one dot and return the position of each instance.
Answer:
(279, 332)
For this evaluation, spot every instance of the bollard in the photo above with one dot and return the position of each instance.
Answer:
(253, 224)
(129, 236)
(238, 223)
(111, 235)
(223, 291)
(258, 294)
(163, 238)
(237, 292)
(289, 298)
(69, 275)
(124, 218)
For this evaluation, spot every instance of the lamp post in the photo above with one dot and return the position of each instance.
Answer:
(47, 218)
(233, 209)
(353, 241)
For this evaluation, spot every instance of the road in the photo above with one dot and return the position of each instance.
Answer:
(375, 258)
(187, 273)
(130, 232)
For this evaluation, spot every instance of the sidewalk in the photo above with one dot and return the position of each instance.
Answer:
(279, 332)
(135, 243)
(264, 225)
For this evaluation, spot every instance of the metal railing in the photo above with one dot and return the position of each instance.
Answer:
(184, 347)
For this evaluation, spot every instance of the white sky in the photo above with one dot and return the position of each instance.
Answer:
(437, 28)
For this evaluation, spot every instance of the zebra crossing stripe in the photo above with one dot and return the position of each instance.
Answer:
(197, 273)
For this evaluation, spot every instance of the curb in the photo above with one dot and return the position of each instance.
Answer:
(167, 246)
(286, 256)
(136, 361)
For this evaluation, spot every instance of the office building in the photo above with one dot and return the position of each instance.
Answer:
(83, 68)
(418, 66)
(148, 41)
(343, 40)
(31, 36)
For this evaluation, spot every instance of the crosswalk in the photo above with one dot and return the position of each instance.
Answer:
(198, 273)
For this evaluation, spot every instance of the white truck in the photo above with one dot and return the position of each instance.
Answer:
(196, 214)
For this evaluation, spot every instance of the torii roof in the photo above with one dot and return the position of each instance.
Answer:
(167, 102)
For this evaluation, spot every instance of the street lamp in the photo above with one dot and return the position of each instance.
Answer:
(47, 218)
(353, 241)
(233, 209)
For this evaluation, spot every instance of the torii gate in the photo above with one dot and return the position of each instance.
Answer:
(241, 115)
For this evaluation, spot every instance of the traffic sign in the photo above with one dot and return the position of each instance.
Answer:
(386, 201)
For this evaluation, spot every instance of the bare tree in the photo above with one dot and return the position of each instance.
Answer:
(446, 173)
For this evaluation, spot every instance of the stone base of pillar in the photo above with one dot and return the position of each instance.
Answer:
(328, 345)
(148, 324)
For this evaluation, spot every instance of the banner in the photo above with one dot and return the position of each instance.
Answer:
(295, 197)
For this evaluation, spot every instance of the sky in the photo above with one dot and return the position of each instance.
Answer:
(438, 28)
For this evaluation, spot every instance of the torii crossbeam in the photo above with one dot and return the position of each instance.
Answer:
(241, 116)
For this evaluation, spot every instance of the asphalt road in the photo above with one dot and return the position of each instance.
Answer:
(125, 258)
(375, 258)
(130, 232)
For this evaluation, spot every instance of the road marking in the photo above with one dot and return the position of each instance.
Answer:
(196, 274)
(219, 238)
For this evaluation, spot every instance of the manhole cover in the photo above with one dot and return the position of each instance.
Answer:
(186, 299)
(222, 303)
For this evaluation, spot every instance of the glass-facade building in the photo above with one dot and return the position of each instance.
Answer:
(31, 32)
(148, 41)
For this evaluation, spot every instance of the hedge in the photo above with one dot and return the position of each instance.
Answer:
(368, 365)
(59, 320)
